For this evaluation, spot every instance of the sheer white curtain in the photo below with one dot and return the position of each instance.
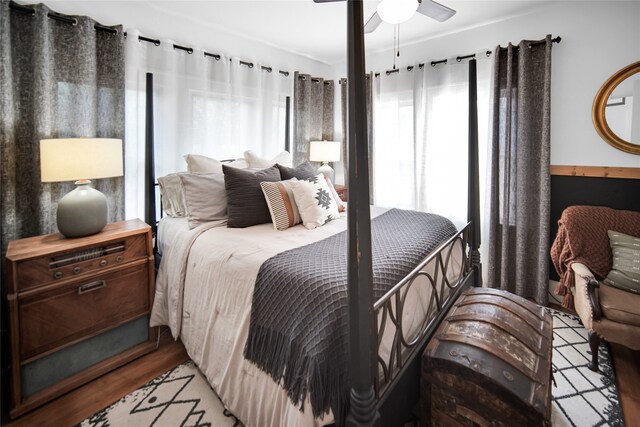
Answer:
(203, 105)
(442, 158)
(395, 100)
(421, 137)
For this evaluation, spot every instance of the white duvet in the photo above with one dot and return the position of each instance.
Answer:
(204, 290)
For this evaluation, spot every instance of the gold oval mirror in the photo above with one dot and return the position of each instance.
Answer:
(616, 109)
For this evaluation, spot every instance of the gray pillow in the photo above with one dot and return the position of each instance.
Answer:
(625, 272)
(205, 197)
(247, 205)
(302, 171)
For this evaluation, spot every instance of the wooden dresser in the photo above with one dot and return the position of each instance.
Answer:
(78, 308)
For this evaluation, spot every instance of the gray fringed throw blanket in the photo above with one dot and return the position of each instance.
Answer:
(298, 331)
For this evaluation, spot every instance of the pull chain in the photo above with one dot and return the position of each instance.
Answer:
(398, 47)
(395, 41)
(396, 44)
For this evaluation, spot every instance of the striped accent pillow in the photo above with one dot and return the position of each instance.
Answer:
(282, 206)
(625, 271)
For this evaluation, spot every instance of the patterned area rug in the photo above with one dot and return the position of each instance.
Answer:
(182, 396)
(581, 397)
(179, 397)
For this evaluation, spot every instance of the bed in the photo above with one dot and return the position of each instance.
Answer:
(204, 292)
(206, 281)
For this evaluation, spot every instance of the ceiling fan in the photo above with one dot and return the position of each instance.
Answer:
(398, 11)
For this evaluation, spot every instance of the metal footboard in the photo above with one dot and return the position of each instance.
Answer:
(443, 287)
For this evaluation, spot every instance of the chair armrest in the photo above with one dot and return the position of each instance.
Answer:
(581, 270)
(583, 273)
(592, 285)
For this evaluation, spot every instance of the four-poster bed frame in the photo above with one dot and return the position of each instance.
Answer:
(383, 391)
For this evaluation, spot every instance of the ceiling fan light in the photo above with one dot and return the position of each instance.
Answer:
(396, 11)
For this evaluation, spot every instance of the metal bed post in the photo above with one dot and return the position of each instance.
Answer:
(287, 124)
(473, 191)
(362, 341)
(149, 166)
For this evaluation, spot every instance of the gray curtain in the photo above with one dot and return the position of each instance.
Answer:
(58, 80)
(369, 107)
(519, 170)
(312, 113)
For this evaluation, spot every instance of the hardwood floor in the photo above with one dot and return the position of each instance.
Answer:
(627, 366)
(75, 406)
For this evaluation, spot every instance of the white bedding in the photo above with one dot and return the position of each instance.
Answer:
(204, 291)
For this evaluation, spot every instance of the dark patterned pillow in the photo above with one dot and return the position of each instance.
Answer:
(302, 171)
(246, 203)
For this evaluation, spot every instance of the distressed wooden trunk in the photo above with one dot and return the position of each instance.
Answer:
(489, 363)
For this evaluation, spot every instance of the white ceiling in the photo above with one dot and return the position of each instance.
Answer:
(313, 30)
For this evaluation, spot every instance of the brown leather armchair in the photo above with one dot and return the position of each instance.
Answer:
(606, 312)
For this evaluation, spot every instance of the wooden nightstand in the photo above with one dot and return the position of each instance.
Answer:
(342, 192)
(78, 308)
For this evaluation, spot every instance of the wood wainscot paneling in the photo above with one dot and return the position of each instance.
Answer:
(595, 171)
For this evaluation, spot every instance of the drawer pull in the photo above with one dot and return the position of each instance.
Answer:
(57, 275)
(103, 263)
(119, 258)
(76, 270)
(93, 286)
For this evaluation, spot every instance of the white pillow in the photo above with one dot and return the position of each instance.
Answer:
(197, 163)
(205, 197)
(315, 202)
(255, 161)
(172, 195)
(237, 163)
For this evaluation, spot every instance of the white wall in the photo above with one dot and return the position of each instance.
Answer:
(598, 38)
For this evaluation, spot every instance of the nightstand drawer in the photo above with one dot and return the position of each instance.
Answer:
(56, 317)
(61, 365)
(88, 260)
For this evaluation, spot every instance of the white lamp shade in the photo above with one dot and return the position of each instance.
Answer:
(396, 11)
(324, 151)
(80, 158)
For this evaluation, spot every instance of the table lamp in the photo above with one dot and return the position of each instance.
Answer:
(325, 152)
(82, 211)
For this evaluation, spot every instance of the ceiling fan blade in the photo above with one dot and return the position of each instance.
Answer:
(435, 10)
(372, 23)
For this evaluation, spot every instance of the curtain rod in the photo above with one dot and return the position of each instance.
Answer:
(315, 80)
(59, 17)
(460, 58)
(73, 21)
(433, 64)
(215, 56)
